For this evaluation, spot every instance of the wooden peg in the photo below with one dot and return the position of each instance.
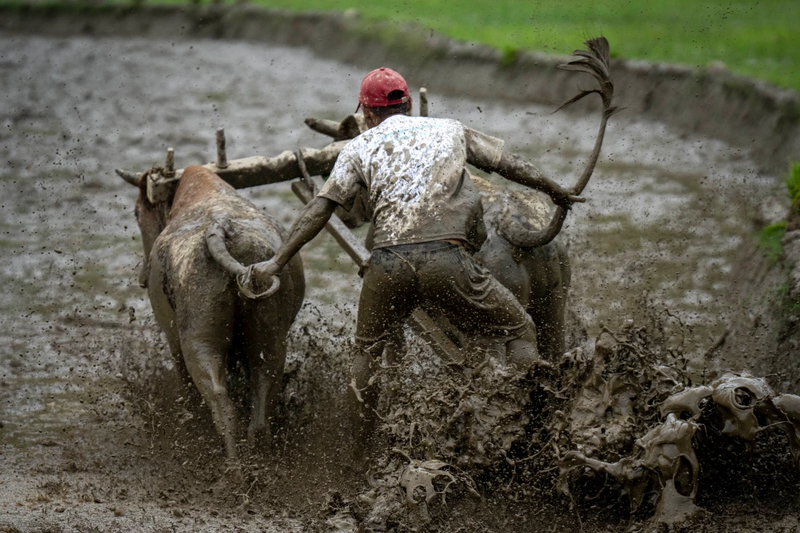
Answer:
(423, 102)
(169, 164)
(222, 157)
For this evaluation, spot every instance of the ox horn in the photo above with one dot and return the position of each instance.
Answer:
(347, 129)
(128, 176)
(323, 126)
(595, 62)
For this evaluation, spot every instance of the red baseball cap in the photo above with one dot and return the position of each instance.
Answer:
(376, 86)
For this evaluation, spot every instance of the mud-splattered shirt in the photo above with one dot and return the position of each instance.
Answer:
(414, 171)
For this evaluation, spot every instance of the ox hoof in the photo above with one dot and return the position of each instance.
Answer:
(522, 355)
(259, 439)
(233, 471)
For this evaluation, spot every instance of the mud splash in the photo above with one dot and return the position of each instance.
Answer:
(633, 437)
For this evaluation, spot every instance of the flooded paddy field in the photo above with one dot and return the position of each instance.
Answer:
(84, 371)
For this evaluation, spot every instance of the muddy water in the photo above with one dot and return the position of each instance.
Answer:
(665, 214)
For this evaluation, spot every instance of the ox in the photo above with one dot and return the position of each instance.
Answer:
(537, 274)
(195, 249)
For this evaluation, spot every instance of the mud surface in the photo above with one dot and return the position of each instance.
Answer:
(95, 434)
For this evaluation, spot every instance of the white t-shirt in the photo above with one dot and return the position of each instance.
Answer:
(414, 171)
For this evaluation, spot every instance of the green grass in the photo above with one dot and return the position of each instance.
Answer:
(758, 39)
(769, 239)
(793, 184)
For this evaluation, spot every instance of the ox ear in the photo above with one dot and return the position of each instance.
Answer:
(128, 176)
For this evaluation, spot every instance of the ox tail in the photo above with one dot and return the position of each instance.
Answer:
(215, 241)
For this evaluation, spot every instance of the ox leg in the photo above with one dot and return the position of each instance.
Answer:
(548, 314)
(551, 275)
(500, 257)
(205, 356)
(266, 360)
(265, 326)
(177, 357)
(166, 318)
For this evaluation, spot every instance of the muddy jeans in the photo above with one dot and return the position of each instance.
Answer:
(442, 278)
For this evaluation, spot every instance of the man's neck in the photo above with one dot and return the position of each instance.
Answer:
(391, 116)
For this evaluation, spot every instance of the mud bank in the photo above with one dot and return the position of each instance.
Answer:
(709, 101)
(767, 330)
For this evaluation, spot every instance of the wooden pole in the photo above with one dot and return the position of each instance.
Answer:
(304, 175)
(222, 157)
(323, 126)
(423, 102)
(169, 164)
(259, 170)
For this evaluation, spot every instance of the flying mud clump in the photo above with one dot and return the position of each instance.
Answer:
(459, 431)
(644, 426)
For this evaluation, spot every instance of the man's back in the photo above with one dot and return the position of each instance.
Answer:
(413, 168)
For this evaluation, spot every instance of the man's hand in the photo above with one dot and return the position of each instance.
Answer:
(259, 280)
(264, 271)
(562, 197)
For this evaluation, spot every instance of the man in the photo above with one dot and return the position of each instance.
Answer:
(426, 218)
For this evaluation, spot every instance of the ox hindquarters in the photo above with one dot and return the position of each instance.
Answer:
(540, 279)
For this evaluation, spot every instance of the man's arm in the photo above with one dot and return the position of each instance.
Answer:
(517, 169)
(487, 153)
(340, 190)
(312, 219)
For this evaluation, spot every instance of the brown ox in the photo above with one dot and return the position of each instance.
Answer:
(194, 249)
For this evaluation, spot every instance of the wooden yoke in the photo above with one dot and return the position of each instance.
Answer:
(259, 170)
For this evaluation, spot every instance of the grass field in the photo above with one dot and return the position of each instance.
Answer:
(758, 39)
